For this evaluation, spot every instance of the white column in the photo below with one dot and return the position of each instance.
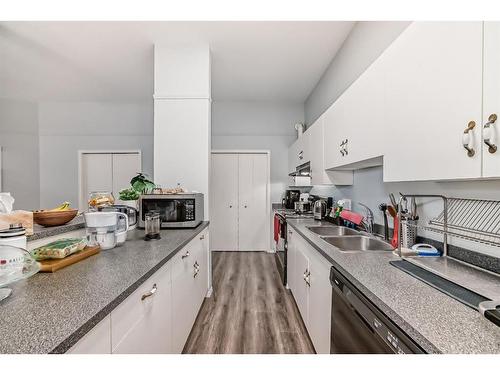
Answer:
(182, 126)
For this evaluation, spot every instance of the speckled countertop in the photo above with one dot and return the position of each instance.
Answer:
(50, 312)
(438, 323)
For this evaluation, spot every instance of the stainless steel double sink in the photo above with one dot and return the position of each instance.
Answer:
(350, 240)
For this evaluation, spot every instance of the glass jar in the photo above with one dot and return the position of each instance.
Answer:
(100, 199)
(152, 225)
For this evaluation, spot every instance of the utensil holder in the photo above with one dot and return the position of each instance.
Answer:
(408, 233)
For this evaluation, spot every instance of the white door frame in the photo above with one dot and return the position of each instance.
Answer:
(81, 153)
(268, 189)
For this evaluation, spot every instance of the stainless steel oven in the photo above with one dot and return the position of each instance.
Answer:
(359, 327)
(183, 210)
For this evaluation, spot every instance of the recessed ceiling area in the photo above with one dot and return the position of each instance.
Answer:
(86, 61)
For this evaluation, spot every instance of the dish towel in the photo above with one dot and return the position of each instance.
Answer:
(276, 228)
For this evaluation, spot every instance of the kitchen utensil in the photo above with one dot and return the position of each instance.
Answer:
(15, 264)
(408, 232)
(393, 201)
(52, 265)
(319, 209)
(152, 226)
(383, 207)
(404, 204)
(302, 207)
(54, 218)
(394, 214)
(413, 209)
(102, 229)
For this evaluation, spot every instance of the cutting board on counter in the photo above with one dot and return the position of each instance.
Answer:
(52, 265)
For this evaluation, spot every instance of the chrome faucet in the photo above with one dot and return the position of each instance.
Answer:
(368, 219)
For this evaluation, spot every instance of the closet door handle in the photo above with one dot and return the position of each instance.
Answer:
(467, 138)
(492, 148)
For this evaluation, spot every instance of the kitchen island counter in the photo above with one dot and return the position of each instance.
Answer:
(50, 312)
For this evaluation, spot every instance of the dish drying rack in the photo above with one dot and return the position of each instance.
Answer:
(469, 219)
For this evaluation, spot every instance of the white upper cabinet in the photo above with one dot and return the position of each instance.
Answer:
(319, 176)
(491, 100)
(433, 91)
(298, 153)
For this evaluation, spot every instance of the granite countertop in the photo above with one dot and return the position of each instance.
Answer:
(438, 323)
(50, 312)
(40, 232)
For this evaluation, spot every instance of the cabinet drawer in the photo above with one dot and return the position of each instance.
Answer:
(135, 310)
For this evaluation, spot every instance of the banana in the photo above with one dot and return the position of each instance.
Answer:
(63, 207)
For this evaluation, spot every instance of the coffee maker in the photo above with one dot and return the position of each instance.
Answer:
(291, 196)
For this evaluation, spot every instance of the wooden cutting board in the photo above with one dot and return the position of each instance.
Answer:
(52, 265)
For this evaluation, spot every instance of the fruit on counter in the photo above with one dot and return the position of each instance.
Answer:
(129, 194)
(62, 207)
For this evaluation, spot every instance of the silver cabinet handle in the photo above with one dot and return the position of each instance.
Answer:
(186, 255)
(202, 237)
(466, 139)
(307, 275)
(230, 206)
(301, 155)
(245, 206)
(150, 293)
(492, 148)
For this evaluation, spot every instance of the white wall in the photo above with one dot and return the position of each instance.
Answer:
(258, 125)
(19, 143)
(66, 127)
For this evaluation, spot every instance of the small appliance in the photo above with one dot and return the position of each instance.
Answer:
(131, 212)
(152, 226)
(319, 209)
(291, 196)
(103, 229)
(182, 210)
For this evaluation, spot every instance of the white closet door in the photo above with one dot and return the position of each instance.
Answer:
(125, 166)
(97, 175)
(253, 218)
(224, 203)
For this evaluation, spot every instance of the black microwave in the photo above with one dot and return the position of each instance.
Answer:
(184, 210)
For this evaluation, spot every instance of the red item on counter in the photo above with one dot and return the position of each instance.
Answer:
(353, 217)
(394, 241)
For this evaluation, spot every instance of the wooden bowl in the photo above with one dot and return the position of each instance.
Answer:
(53, 218)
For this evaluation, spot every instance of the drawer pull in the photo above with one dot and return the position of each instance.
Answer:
(150, 293)
(185, 255)
(202, 237)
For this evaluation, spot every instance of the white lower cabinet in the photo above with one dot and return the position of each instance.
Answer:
(308, 275)
(158, 316)
(96, 341)
(189, 287)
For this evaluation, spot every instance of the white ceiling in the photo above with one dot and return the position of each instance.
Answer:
(45, 61)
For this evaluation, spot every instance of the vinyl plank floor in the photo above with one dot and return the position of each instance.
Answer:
(250, 310)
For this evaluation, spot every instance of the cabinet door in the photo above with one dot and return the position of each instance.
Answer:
(96, 341)
(291, 274)
(142, 324)
(293, 159)
(491, 98)
(253, 211)
(433, 90)
(320, 302)
(224, 202)
(336, 132)
(301, 292)
(202, 275)
(125, 166)
(185, 295)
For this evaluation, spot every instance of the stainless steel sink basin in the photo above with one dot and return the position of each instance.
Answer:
(333, 231)
(357, 243)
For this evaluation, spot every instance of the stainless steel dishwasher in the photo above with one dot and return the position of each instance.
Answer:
(359, 327)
